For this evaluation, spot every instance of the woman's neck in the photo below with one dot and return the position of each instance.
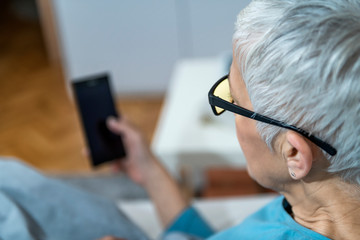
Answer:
(330, 207)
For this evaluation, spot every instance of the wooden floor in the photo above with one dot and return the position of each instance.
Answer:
(38, 122)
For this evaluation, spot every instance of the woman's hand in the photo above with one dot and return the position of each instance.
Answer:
(143, 168)
(139, 159)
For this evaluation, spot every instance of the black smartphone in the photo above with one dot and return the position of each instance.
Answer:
(95, 104)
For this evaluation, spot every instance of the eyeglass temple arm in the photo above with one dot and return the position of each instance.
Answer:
(216, 101)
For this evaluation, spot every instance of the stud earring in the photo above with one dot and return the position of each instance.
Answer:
(292, 174)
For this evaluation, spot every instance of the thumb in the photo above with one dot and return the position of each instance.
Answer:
(113, 124)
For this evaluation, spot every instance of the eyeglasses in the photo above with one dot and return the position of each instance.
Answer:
(221, 100)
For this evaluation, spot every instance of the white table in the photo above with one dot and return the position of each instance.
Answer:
(188, 134)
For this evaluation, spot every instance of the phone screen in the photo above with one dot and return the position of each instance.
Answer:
(95, 104)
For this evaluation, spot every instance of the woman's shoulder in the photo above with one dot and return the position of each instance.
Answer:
(273, 221)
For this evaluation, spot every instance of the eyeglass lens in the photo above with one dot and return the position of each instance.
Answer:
(223, 91)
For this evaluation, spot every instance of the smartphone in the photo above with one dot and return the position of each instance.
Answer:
(95, 104)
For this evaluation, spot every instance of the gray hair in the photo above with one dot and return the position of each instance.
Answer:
(300, 61)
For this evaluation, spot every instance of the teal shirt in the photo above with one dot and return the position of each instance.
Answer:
(271, 222)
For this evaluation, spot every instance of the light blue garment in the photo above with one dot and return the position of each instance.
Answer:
(271, 222)
(34, 207)
(190, 223)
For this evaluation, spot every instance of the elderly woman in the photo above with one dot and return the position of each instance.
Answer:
(294, 87)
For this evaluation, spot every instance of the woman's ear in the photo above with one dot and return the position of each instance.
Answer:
(298, 155)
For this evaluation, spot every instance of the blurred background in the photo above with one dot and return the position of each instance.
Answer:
(149, 48)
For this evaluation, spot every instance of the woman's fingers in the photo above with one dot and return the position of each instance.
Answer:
(114, 125)
(120, 125)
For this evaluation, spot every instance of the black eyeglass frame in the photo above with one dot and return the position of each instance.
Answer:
(227, 106)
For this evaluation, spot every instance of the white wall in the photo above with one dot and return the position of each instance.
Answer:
(210, 25)
(139, 41)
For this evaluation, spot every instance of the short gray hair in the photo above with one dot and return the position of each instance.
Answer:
(300, 61)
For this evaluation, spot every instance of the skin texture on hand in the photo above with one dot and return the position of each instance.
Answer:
(143, 168)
